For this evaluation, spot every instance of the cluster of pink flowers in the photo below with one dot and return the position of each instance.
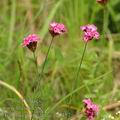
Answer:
(31, 41)
(90, 32)
(91, 109)
(57, 29)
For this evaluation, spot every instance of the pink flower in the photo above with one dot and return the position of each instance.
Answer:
(31, 42)
(57, 29)
(90, 32)
(91, 109)
(102, 2)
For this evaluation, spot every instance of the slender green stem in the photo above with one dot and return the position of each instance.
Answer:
(105, 20)
(35, 61)
(36, 64)
(40, 77)
(81, 62)
(46, 57)
(108, 34)
(105, 24)
(77, 73)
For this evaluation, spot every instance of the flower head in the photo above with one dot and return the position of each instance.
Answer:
(31, 42)
(90, 32)
(91, 109)
(102, 2)
(57, 29)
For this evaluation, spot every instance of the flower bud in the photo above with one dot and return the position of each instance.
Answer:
(31, 42)
(102, 2)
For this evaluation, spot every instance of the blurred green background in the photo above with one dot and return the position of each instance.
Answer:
(100, 74)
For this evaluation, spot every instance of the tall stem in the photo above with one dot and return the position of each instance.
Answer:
(40, 76)
(77, 74)
(35, 61)
(79, 67)
(105, 20)
(108, 34)
(46, 57)
(37, 88)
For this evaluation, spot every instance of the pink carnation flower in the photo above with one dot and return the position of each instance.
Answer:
(91, 109)
(102, 2)
(90, 32)
(31, 42)
(57, 29)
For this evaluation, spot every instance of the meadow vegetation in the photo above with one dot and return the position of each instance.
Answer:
(99, 77)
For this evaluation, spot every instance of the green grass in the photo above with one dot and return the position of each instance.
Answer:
(99, 73)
